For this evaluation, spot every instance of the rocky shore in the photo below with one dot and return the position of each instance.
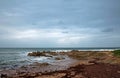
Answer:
(72, 64)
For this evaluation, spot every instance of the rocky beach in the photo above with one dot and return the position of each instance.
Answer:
(59, 38)
(71, 64)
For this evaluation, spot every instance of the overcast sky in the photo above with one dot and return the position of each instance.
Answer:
(59, 23)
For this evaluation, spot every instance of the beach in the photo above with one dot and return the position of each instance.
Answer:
(71, 64)
(59, 38)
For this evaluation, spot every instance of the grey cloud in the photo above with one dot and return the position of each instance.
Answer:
(65, 32)
(108, 30)
(100, 19)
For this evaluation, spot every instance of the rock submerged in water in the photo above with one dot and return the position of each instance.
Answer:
(40, 64)
(59, 58)
(39, 54)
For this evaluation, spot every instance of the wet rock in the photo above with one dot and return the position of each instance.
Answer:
(22, 75)
(59, 58)
(40, 64)
(39, 54)
(72, 73)
(93, 62)
(53, 53)
(75, 51)
(33, 74)
(118, 71)
(3, 75)
(36, 54)
(39, 74)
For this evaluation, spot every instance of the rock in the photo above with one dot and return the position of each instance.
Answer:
(36, 54)
(39, 74)
(22, 75)
(3, 76)
(59, 58)
(93, 62)
(40, 64)
(118, 71)
(33, 74)
(72, 73)
(39, 54)
(53, 53)
(75, 51)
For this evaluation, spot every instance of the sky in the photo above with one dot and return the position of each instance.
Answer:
(59, 23)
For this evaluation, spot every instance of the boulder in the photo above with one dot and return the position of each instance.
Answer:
(36, 54)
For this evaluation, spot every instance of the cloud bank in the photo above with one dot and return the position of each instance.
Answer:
(59, 23)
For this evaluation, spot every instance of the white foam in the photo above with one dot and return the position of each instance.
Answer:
(86, 50)
(99, 50)
(62, 50)
(40, 58)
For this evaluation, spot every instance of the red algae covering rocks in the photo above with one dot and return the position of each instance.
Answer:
(99, 70)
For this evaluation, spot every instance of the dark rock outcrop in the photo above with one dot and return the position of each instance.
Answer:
(39, 54)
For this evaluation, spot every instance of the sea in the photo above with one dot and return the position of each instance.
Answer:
(11, 58)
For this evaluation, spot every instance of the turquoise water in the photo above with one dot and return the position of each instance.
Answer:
(15, 57)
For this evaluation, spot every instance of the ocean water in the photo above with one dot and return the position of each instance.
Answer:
(15, 57)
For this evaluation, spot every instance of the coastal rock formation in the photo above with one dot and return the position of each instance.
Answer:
(86, 64)
(39, 54)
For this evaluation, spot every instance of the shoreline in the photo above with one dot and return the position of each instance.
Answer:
(74, 62)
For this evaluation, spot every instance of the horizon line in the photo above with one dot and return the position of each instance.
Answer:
(60, 47)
